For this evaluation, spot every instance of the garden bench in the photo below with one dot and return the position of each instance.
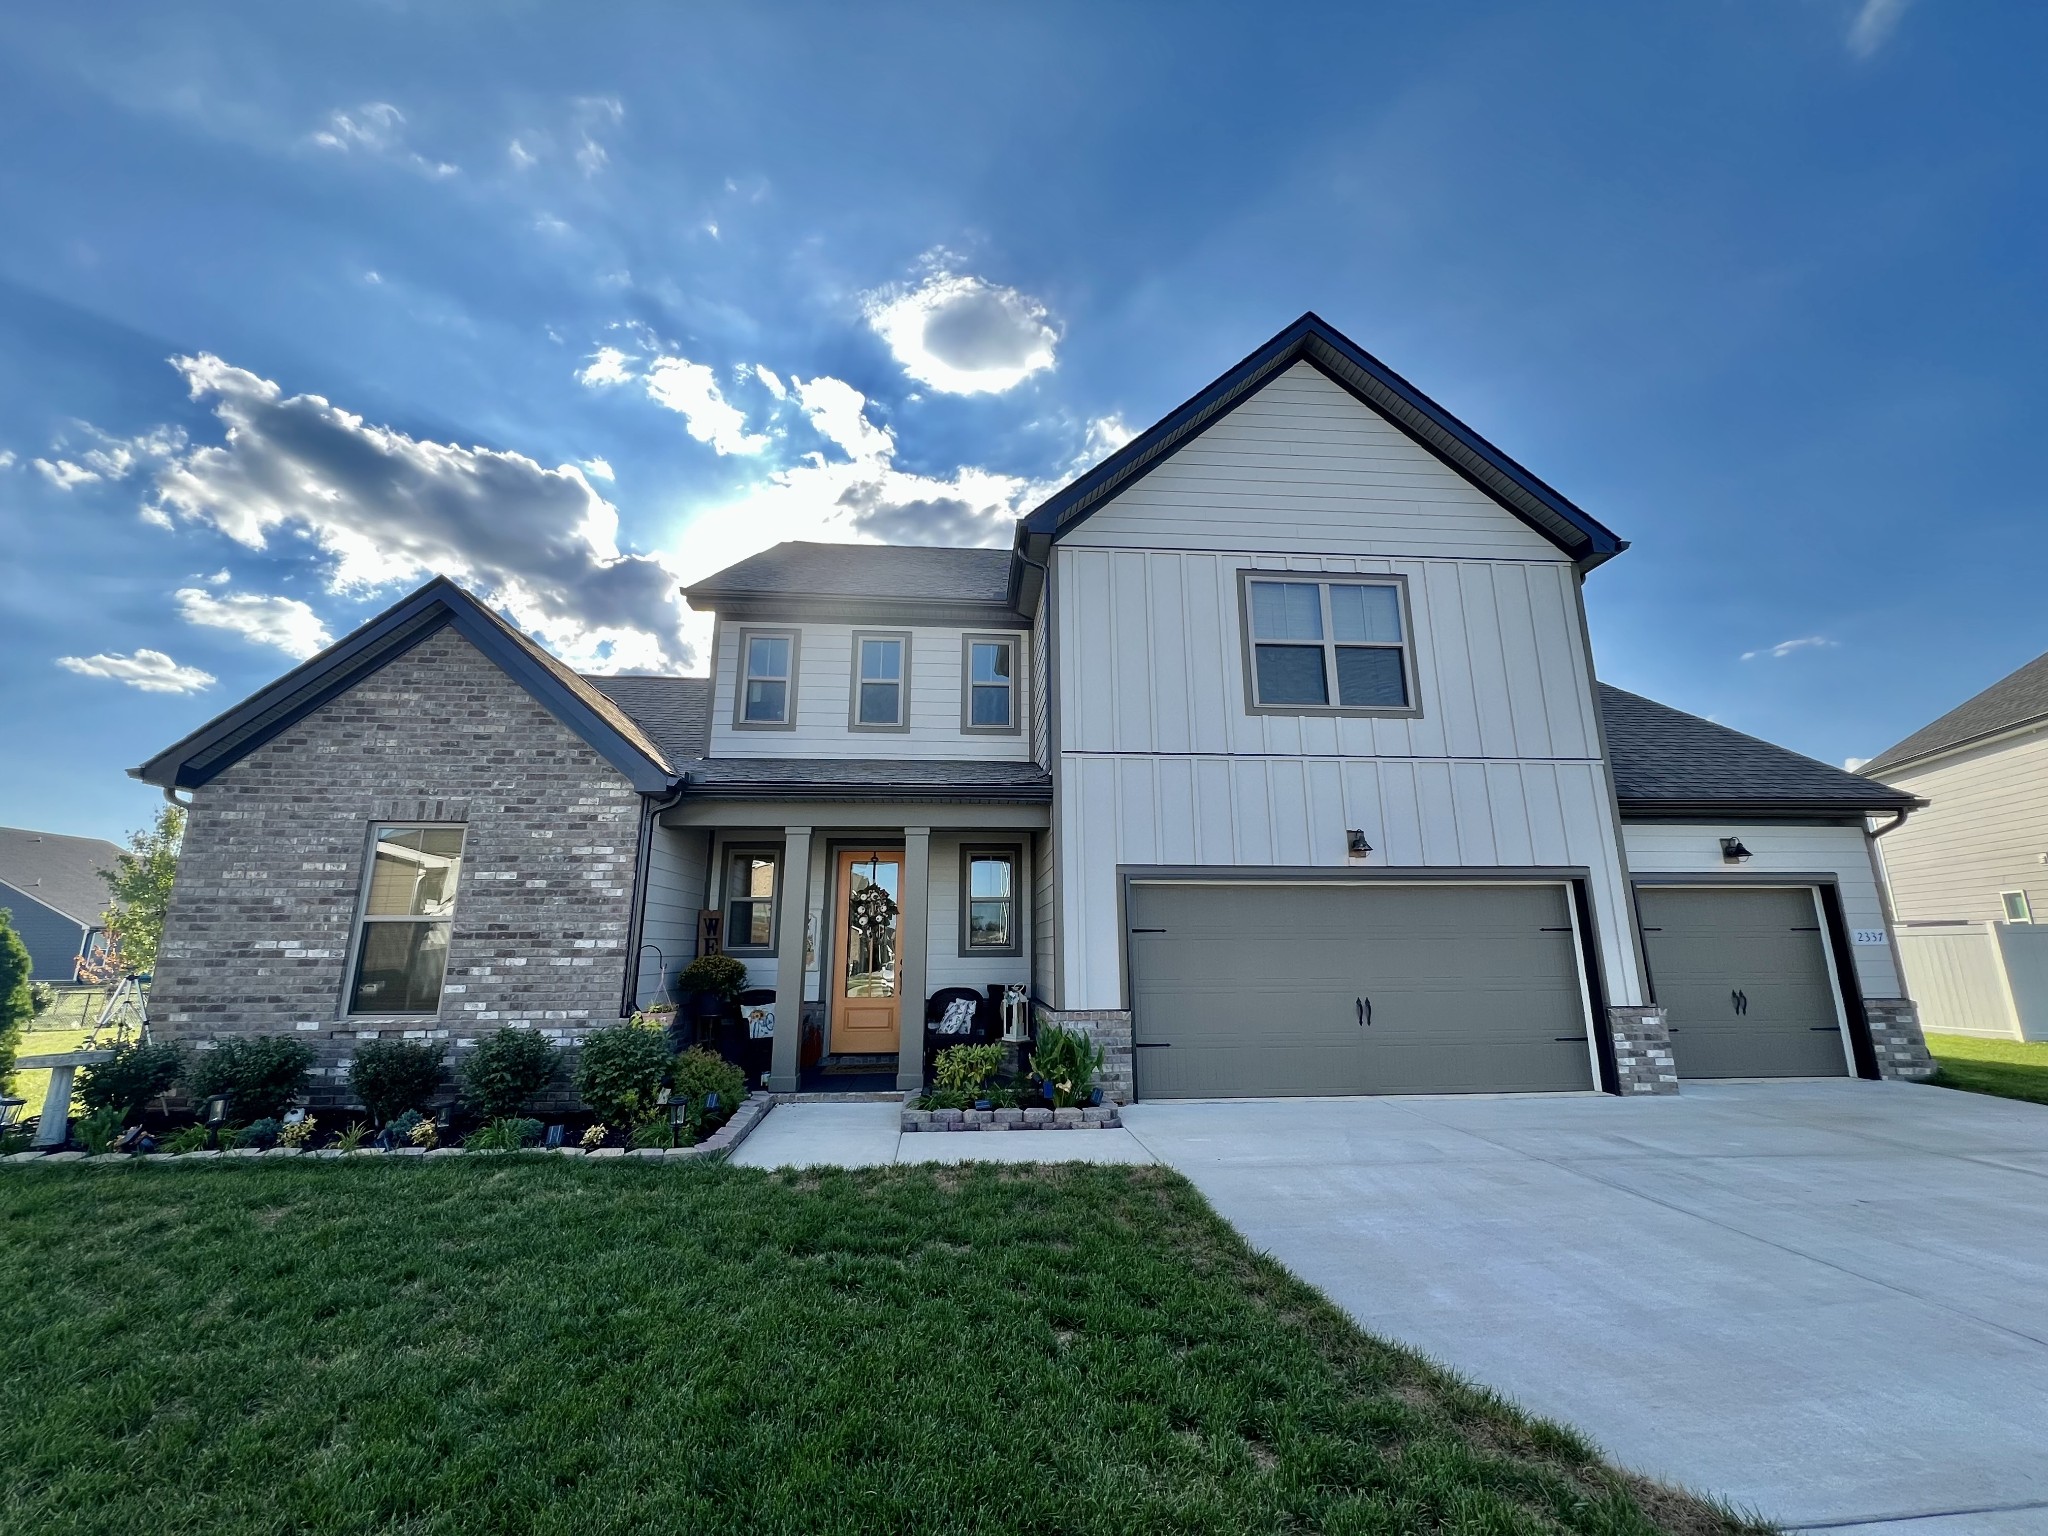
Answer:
(55, 1126)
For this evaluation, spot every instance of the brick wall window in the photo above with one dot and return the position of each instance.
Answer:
(401, 942)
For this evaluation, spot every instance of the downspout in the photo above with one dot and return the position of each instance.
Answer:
(1884, 896)
(636, 922)
(171, 794)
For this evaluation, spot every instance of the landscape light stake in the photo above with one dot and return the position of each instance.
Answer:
(215, 1117)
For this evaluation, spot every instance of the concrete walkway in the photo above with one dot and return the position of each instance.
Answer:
(1825, 1300)
(865, 1136)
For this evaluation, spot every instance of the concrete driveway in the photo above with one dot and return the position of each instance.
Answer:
(1827, 1301)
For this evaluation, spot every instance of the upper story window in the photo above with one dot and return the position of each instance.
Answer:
(1327, 646)
(401, 948)
(2017, 908)
(881, 683)
(766, 696)
(989, 683)
(750, 899)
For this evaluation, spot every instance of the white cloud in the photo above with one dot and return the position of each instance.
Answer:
(1106, 434)
(1785, 648)
(608, 366)
(548, 224)
(377, 128)
(961, 334)
(109, 457)
(771, 381)
(284, 622)
(692, 390)
(599, 469)
(1854, 764)
(1875, 22)
(521, 157)
(65, 475)
(6, 458)
(151, 671)
(593, 115)
(383, 507)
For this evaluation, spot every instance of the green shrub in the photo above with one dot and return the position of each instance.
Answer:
(715, 973)
(17, 1003)
(966, 1069)
(263, 1072)
(619, 1074)
(655, 1131)
(1068, 1060)
(42, 997)
(136, 1073)
(96, 1132)
(350, 1139)
(392, 1076)
(192, 1138)
(260, 1133)
(696, 1075)
(507, 1070)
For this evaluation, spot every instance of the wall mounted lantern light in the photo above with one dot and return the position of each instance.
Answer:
(1355, 845)
(1732, 851)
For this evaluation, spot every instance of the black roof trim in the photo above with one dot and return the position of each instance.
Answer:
(1313, 340)
(233, 735)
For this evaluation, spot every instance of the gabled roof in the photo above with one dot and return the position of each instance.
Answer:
(2018, 699)
(1670, 763)
(60, 872)
(915, 572)
(1313, 340)
(675, 712)
(585, 710)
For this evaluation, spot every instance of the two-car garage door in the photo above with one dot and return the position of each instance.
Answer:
(1253, 988)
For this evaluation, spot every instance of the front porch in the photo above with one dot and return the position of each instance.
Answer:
(882, 907)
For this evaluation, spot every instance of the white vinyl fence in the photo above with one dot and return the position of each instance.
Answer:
(1986, 979)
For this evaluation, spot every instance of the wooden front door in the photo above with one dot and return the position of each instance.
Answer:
(865, 1007)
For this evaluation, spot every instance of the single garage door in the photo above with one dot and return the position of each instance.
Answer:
(1745, 979)
(1253, 988)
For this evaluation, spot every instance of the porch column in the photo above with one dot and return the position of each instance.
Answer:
(913, 932)
(789, 960)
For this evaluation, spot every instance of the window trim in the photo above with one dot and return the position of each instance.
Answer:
(2026, 906)
(727, 853)
(359, 925)
(1014, 852)
(853, 719)
(1246, 575)
(747, 635)
(968, 642)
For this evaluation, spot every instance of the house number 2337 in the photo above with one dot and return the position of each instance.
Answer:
(1868, 935)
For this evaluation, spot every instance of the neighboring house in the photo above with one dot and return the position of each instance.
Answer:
(1969, 875)
(1270, 753)
(52, 885)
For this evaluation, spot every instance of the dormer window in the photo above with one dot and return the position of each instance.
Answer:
(989, 687)
(766, 696)
(881, 683)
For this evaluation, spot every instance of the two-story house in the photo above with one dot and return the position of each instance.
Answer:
(1270, 752)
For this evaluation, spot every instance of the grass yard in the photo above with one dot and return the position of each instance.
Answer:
(538, 1344)
(2012, 1069)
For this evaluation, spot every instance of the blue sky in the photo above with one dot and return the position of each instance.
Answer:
(301, 304)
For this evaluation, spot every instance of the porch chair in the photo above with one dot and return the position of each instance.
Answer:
(935, 1009)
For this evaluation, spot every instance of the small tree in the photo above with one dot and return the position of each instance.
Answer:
(264, 1073)
(392, 1076)
(507, 1070)
(140, 884)
(17, 1003)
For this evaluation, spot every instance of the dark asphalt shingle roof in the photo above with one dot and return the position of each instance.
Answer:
(1663, 756)
(2016, 699)
(915, 571)
(60, 872)
(673, 712)
(871, 776)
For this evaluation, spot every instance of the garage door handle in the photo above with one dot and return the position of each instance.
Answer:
(1364, 1011)
(1152, 1045)
(1740, 1001)
(1823, 1029)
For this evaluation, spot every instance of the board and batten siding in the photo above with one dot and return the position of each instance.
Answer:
(825, 691)
(1985, 831)
(677, 879)
(1304, 464)
(1682, 847)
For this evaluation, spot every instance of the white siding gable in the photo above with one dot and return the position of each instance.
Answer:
(1303, 464)
(824, 693)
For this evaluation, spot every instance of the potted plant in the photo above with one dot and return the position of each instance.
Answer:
(717, 981)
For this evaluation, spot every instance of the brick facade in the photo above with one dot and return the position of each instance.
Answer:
(1109, 1028)
(1895, 1034)
(258, 935)
(1643, 1062)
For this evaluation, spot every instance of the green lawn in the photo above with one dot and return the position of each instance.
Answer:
(540, 1344)
(2012, 1069)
